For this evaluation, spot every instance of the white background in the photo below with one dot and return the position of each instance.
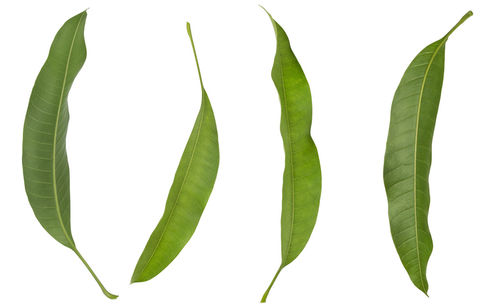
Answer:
(133, 106)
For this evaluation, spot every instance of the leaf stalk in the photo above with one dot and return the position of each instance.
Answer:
(264, 297)
(188, 26)
(461, 21)
(106, 292)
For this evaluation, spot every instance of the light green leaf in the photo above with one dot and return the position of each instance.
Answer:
(302, 175)
(408, 157)
(193, 183)
(45, 165)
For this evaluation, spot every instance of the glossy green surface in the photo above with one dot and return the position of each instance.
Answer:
(408, 157)
(302, 175)
(193, 183)
(45, 164)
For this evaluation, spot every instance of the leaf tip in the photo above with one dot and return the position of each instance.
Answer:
(266, 11)
(140, 275)
(425, 292)
(424, 287)
(84, 12)
(136, 278)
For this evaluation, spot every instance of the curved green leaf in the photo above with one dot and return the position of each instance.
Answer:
(193, 183)
(408, 157)
(45, 165)
(302, 175)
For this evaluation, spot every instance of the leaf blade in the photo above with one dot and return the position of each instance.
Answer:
(302, 174)
(45, 163)
(189, 193)
(408, 157)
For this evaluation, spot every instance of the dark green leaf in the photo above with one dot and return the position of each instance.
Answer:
(45, 165)
(408, 157)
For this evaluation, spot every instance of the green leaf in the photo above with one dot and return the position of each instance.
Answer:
(193, 183)
(302, 175)
(408, 157)
(45, 165)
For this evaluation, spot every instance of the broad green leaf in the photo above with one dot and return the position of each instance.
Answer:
(189, 193)
(302, 175)
(45, 165)
(408, 157)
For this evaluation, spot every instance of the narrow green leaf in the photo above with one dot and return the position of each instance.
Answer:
(408, 157)
(302, 175)
(193, 183)
(45, 165)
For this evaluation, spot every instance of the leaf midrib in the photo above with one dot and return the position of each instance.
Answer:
(56, 128)
(285, 111)
(415, 155)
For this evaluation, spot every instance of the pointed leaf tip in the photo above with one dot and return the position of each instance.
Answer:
(267, 12)
(264, 9)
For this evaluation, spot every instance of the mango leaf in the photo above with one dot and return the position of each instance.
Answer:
(189, 193)
(302, 175)
(45, 164)
(408, 157)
